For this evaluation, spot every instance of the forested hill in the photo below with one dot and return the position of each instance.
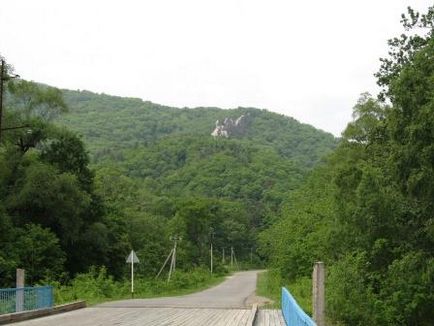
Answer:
(110, 124)
(152, 172)
(161, 166)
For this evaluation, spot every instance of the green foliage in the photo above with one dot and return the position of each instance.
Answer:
(32, 100)
(37, 200)
(66, 152)
(270, 285)
(350, 296)
(159, 170)
(163, 175)
(8, 256)
(112, 124)
(367, 211)
(305, 232)
(97, 286)
(408, 291)
(52, 220)
(39, 250)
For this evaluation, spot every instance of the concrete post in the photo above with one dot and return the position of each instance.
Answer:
(318, 293)
(19, 298)
(211, 259)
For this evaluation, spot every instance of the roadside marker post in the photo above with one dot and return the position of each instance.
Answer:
(19, 296)
(132, 259)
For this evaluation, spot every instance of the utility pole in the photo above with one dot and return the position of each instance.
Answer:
(223, 256)
(2, 72)
(174, 256)
(211, 257)
(232, 257)
(251, 255)
(3, 78)
(165, 262)
(175, 239)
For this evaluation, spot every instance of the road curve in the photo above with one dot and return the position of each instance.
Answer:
(236, 291)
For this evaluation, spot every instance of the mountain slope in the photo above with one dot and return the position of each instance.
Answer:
(110, 124)
(161, 164)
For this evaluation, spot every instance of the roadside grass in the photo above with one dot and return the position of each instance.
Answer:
(97, 287)
(270, 285)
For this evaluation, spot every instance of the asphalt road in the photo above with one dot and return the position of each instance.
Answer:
(237, 291)
(227, 304)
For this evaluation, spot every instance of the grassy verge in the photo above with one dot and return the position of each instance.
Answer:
(270, 284)
(96, 286)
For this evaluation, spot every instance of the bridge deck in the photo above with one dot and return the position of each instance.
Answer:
(146, 316)
(269, 317)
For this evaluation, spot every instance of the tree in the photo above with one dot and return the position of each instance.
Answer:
(420, 31)
(52, 199)
(66, 152)
(39, 253)
(368, 210)
(31, 100)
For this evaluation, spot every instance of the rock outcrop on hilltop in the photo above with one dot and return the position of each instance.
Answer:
(230, 127)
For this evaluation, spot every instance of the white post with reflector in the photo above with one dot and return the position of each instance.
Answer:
(132, 258)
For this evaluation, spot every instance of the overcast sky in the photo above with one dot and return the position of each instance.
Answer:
(304, 58)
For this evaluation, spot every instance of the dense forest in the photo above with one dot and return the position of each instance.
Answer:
(111, 125)
(367, 210)
(91, 176)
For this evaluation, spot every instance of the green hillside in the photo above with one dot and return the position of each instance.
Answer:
(166, 158)
(172, 154)
(110, 123)
(98, 175)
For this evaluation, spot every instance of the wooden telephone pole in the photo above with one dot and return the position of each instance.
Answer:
(2, 73)
(172, 268)
(4, 77)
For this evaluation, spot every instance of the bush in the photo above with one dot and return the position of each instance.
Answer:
(97, 286)
(94, 286)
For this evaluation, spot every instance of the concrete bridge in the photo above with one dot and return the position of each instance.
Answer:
(231, 303)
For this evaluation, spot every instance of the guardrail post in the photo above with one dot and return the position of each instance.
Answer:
(318, 293)
(19, 291)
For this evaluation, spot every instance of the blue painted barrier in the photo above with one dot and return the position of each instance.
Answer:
(27, 298)
(292, 313)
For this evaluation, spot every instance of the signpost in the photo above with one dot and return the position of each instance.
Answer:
(132, 258)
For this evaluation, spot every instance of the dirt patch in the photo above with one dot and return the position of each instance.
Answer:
(260, 301)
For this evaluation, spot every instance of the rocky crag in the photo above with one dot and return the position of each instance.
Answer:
(230, 127)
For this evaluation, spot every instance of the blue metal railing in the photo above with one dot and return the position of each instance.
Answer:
(292, 313)
(27, 298)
